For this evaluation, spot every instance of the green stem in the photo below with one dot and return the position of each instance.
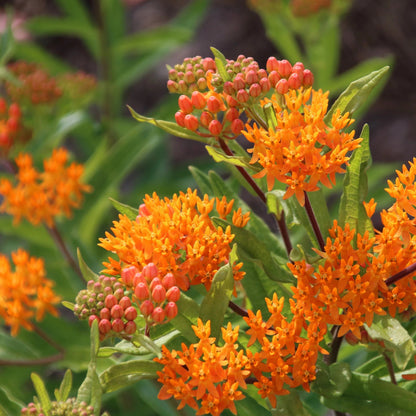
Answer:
(314, 222)
(390, 367)
(280, 220)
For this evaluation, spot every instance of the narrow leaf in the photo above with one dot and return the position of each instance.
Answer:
(69, 305)
(125, 209)
(188, 313)
(147, 343)
(201, 180)
(221, 62)
(218, 156)
(87, 273)
(41, 393)
(65, 387)
(289, 405)
(169, 127)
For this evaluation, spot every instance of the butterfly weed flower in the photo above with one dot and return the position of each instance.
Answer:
(25, 292)
(41, 196)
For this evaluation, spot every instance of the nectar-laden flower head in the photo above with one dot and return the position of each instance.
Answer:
(177, 236)
(25, 292)
(303, 151)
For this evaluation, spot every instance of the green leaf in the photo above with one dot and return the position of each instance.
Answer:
(356, 93)
(355, 188)
(87, 273)
(130, 212)
(258, 251)
(10, 405)
(147, 343)
(398, 343)
(124, 374)
(188, 313)
(215, 303)
(201, 180)
(42, 393)
(65, 388)
(221, 62)
(69, 305)
(289, 405)
(169, 127)
(332, 381)
(76, 10)
(218, 156)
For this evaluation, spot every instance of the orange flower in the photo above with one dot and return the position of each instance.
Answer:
(303, 150)
(25, 293)
(177, 235)
(41, 196)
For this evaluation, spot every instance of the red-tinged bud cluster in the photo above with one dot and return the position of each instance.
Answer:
(105, 301)
(303, 8)
(190, 75)
(77, 86)
(35, 86)
(155, 295)
(10, 125)
(58, 408)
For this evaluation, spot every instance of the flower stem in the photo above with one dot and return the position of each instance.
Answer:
(390, 368)
(401, 274)
(335, 346)
(237, 309)
(57, 238)
(314, 222)
(280, 220)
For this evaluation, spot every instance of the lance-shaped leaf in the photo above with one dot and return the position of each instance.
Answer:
(241, 161)
(188, 312)
(332, 381)
(202, 180)
(221, 62)
(87, 273)
(397, 341)
(215, 303)
(124, 374)
(258, 251)
(130, 212)
(289, 405)
(169, 127)
(62, 393)
(356, 93)
(42, 394)
(355, 188)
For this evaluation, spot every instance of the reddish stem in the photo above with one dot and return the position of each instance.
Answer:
(314, 222)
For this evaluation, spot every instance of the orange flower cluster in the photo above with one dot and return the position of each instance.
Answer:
(287, 358)
(25, 293)
(217, 111)
(177, 236)
(205, 376)
(302, 150)
(41, 196)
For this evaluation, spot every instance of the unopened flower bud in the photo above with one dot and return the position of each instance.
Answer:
(231, 101)
(105, 313)
(117, 325)
(185, 104)
(239, 83)
(110, 301)
(255, 90)
(307, 78)
(213, 104)
(141, 291)
(139, 278)
(173, 294)
(146, 308)
(158, 315)
(104, 326)
(205, 118)
(189, 77)
(156, 281)
(144, 212)
(236, 126)
(124, 302)
(284, 68)
(119, 293)
(171, 310)
(282, 87)
(202, 84)
(117, 312)
(232, 114)
(215, 127)
(274, 78)
(130, 327)
(97, 287)
(91, 319)
(127, 275)
(182, 86)
(251, 77)
(228, 88)
(191, 122)
(272, 64)
(130, 313)
(209, 64)
(172, 86)
(159, 294)
(168, 281)
(198, 100)
(265, 85)
(294, 81)
(242, 96)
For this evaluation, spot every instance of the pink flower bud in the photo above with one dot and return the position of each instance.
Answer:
(205, 118)
(231, 101)
(130, 313)
(251, 77)
(298, 66)
(171, 310)
(130, 327)
(242, 96)
(255, 90)
(284, 68)
(97, 288)
(141, 291)
(272, 64)
(265, 84)
(168, 281)
(307, 78)
(139, 278)
(144, 212)
(105, 313)
(117, 325)
(261, 73)
(191, 122)
(104, 326)
(294, 81)
(182, 86)
(156, 281)
(202, 83)
(124, 302)
(198, 100)
(282, 87)
(146, 308)
(110, 301)
(127, 275)
(274, 78)
(228, 88)
(117, 312)
(119, 293)
(159, 294)
(213, 104)
(232, 114)
(158, 315)
(91, 319)
(172, 86)
(185, 104)
(189, 77)
(239, 83)
(173, 294)
(236, 126)
(180, 118)
(209, 64)
(215, 127)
